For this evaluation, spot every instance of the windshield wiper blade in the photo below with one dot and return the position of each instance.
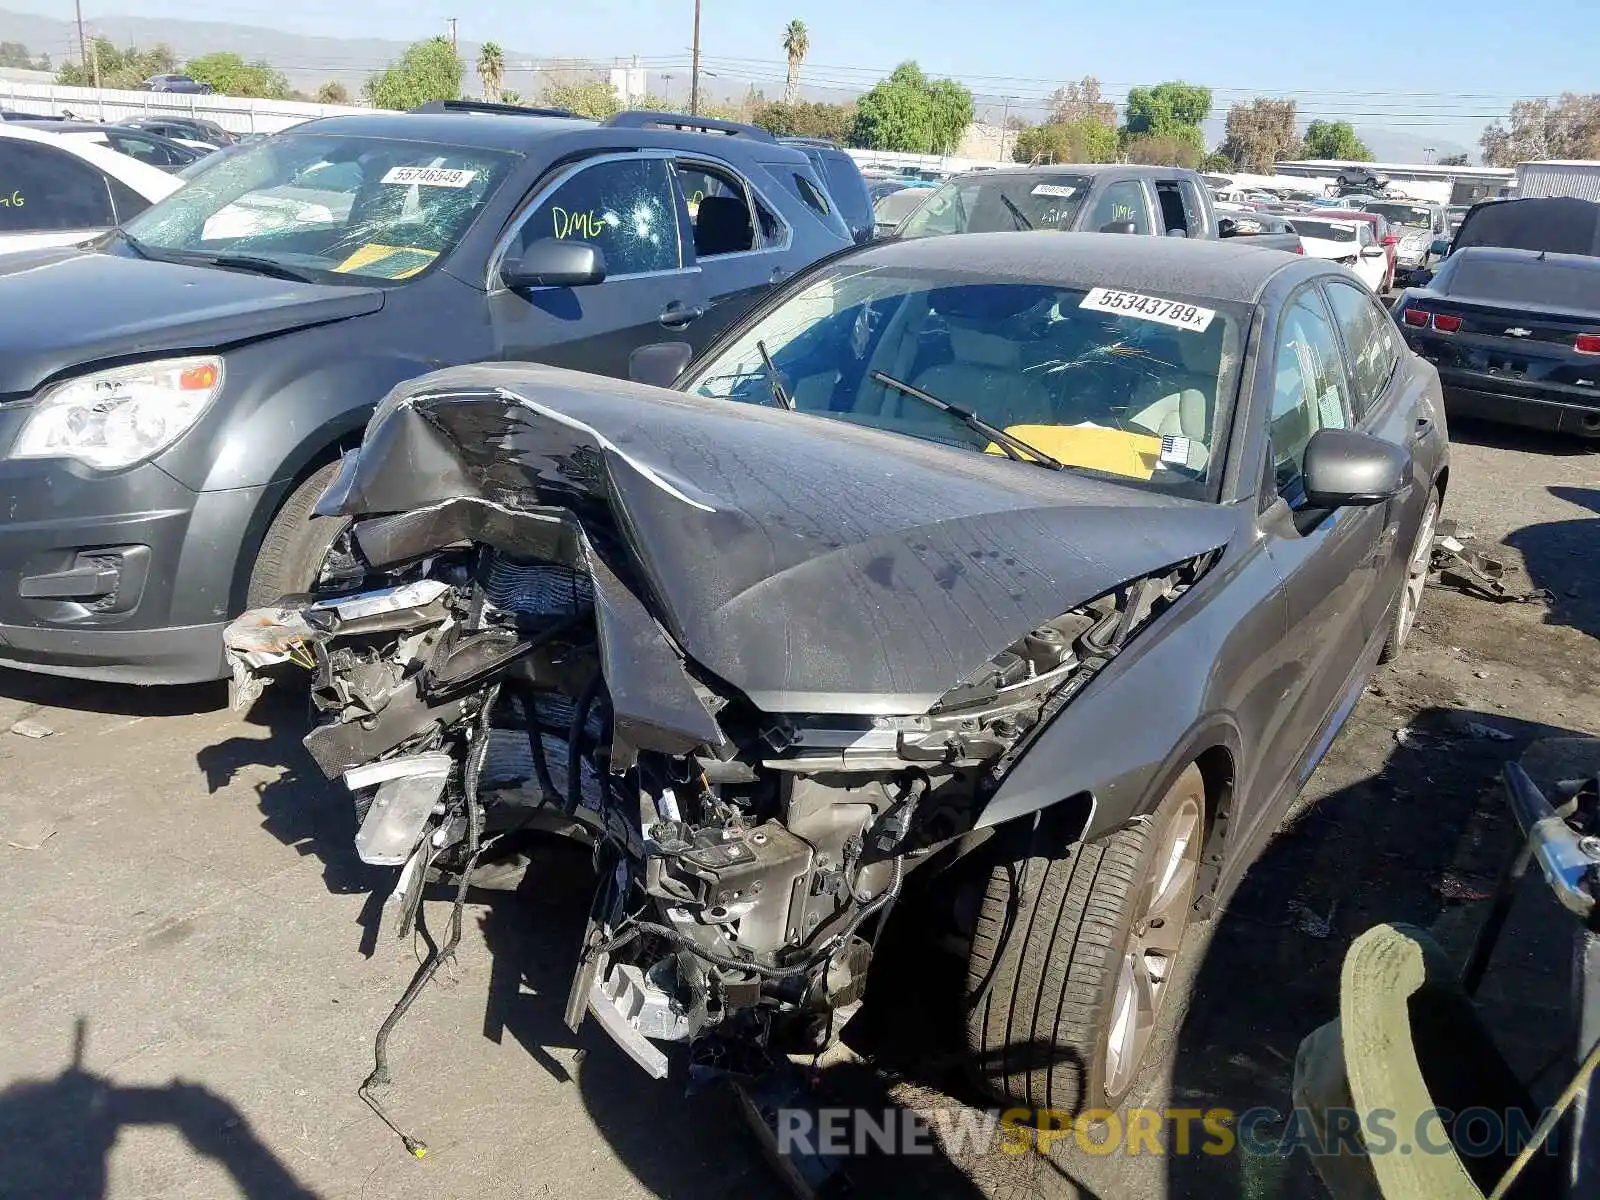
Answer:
(261, 266)
(1016, 213)
(779, 392)
(1014, 447)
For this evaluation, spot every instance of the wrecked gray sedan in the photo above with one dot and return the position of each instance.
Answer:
(1057, 561)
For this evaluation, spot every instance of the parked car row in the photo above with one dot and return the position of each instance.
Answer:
(574, 431)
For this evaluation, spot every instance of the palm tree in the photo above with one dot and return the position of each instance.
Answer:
(491, 70)
(796, 41)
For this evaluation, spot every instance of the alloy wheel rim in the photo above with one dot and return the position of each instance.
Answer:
(1144, 974)
(1417, 573)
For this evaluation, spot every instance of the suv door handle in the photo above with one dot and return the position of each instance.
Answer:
(1421, 429)
(678, 314)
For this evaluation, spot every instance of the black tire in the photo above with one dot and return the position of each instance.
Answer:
(1404, 618)
(296, 543)
(1048, 948)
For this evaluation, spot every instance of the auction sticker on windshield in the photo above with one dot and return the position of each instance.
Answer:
(1176, 313)
(448, 177)
(1054, 189)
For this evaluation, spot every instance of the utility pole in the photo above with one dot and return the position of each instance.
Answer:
(694, 76)
(83, 45)
(455, 47)
(1005, 126)
(94, 53)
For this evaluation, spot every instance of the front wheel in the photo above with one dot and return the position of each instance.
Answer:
(296, 543)
(1073, 958)
(1409, 602)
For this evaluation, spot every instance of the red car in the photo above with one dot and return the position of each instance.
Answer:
(1387, 238)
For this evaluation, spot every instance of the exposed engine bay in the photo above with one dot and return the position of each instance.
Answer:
(508, 655)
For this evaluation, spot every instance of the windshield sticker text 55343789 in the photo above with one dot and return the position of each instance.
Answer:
(1176, 313)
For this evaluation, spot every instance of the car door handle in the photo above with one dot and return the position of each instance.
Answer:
(1421, 429)
(678, 314)
(778, 273)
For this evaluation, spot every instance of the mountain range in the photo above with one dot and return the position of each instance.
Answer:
(309, 61)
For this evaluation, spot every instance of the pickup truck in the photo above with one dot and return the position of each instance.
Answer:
(1092, 198)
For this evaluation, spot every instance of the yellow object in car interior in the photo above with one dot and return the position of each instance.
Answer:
(407, 260)
(1133, 455)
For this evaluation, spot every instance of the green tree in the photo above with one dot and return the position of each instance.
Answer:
(119, 68)
(1082, 141)
(804, 119)
(1216, 162)
(1081, 101)
(796, 44)
(1569, 127)
(332, 92)
(492, 70)
(593, 98)
(1165, 107)
(230, 75)
(1453, 160)
(909, 112)
(15, 55)
(429, 70)
(1261, 133)
(1335, 140)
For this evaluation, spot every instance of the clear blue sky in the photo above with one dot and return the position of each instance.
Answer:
(1433, 66)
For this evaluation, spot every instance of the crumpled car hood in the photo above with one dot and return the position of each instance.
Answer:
(813, 564)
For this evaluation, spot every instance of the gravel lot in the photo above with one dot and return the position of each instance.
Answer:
(194, 969)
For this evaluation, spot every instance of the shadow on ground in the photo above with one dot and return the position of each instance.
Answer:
(1474, 432)
(1418, 842)
(114, 699)
(56, 1134)
(1559, 557)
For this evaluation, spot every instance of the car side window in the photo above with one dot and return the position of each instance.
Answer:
(1373, 355)
(622, 206)
(1125, 201)
(1309, 390)
(44, 188)
(720, 212)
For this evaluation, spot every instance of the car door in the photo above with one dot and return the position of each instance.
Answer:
(1126, 200)
(49, 197)
(1393, 403)
(624, 206)
(1371, 268)
(736, 238)
(1327, 560)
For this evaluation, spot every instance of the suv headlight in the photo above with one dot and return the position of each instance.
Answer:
(115, 418)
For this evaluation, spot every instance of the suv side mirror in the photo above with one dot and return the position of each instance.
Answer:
(549, 263)
(1441, 247)
(1119, 227)
(1347, 468)
(1374, 252)
(1226, 227)
(659, 363)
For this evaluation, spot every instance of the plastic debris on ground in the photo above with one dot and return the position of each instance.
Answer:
(1460, 566)
(31, 729)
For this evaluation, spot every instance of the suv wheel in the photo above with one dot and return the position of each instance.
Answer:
(1073, 956)
(296, 543)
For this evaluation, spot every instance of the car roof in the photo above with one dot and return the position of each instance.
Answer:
(518, 134)
(1231, 270)
(147, 180)
(1133, 170)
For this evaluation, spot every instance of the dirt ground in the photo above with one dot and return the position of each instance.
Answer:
(194, 968)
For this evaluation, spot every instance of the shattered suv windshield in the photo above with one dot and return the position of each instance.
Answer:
(326, 205)
(1126, 383)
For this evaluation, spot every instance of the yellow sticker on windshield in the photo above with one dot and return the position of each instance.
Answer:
(387, 262)
(1131, 455)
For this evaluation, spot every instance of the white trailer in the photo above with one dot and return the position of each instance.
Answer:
(1580, 179)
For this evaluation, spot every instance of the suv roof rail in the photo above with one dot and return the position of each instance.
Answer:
(825, 143)
(488, 106)
(645, 119)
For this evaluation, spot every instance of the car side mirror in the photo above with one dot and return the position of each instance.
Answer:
(1346, 468)
(1374, 252)
(660, 363)
(1226, 227)
(549, 263)
(1118, 227)
(1440, 247)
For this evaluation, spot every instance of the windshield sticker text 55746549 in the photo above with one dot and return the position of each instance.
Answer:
(1176, 313)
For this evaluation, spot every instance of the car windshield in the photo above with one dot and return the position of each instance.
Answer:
(897, 206)
(1404, 214)
(999, 201)
(326, 205)
(1133, 385)
(1327, 231)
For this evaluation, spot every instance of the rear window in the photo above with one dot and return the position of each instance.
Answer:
(999, 201)
(1525, 281)
(848, 189)
(803, 185)
(1327, 231)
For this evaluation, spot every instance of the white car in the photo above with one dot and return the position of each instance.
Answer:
(1349, 242)
(58, 191)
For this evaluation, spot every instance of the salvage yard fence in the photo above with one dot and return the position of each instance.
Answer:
(236, 114)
